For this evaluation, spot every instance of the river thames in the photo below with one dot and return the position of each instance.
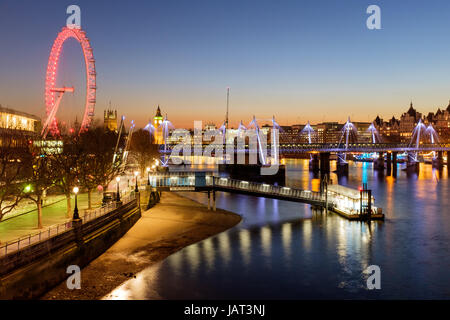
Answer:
(285, 250)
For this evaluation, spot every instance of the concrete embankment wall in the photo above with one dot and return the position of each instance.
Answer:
(34, 270)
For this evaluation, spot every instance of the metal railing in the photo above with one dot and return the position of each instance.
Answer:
(32, 238)
(187, 179)
(98, 212)
(268, 189)
(183, 179)
(54, 230)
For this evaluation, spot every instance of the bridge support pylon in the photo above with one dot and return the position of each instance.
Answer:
(389, 163)
(439, 161)
(341, 166)
(325, 162)
(379, 162)
(412, 165)
(394, 164)
(209, 200)
(314, 164)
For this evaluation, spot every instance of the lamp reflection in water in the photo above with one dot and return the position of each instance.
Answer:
(193, 256)
(307, 229)
(224, 247)
(208, 252)
(245, 246)
(266, 241)
(341, 242)
(176, 262)
(286, 237)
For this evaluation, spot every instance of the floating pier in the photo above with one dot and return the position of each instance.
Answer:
(350, 203)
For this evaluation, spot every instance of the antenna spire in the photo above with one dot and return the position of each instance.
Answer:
(228, 101)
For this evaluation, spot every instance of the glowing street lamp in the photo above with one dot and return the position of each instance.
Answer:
(136, 189)
(118, 192)
(75, 210)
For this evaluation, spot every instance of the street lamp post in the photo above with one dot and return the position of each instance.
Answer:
(75, 210)
(136, 189)
(148, 176)
(118, 192)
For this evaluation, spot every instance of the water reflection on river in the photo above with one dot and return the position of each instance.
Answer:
(285, 250)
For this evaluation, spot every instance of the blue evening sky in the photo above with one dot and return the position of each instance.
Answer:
(298, 60)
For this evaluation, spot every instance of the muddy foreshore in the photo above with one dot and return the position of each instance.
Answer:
(171, 225)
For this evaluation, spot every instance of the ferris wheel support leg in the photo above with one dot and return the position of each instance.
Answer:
(51, 116)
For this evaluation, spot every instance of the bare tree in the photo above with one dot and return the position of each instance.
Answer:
(66, 164)
(40, 176)
(13, 150)
(142, 149)
(101, 162)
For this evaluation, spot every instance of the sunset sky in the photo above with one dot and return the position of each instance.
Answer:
(298, 60)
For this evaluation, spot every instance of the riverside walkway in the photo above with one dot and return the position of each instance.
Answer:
(25, 222)
(22, 238)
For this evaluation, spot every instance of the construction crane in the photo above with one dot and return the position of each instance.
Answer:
(127, 145)
(118, 138)
(228, 101)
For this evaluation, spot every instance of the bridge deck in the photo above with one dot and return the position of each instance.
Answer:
(332, 147)
(269, 191)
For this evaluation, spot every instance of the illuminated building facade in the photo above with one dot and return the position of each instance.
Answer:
(17, 128)
(389, 130)
(328, 132)
(408, 122)
(364, 135)
(442, 123)
(400, 130)
(17, 120)
(110, 120)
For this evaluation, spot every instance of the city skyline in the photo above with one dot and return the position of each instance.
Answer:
(278, 60)
(224, 151)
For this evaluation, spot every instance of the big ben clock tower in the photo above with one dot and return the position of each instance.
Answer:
(157, 120)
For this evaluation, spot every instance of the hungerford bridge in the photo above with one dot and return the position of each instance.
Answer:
(350, 203)
(320, 152)
(423, 139)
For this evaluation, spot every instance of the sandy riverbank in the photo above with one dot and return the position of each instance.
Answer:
(171, 225)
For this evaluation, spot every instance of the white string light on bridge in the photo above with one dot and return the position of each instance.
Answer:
(166, 125)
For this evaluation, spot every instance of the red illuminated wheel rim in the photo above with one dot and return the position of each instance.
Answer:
(52, 72)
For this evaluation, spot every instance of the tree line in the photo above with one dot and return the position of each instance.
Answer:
(93, 158)
(28, 170)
